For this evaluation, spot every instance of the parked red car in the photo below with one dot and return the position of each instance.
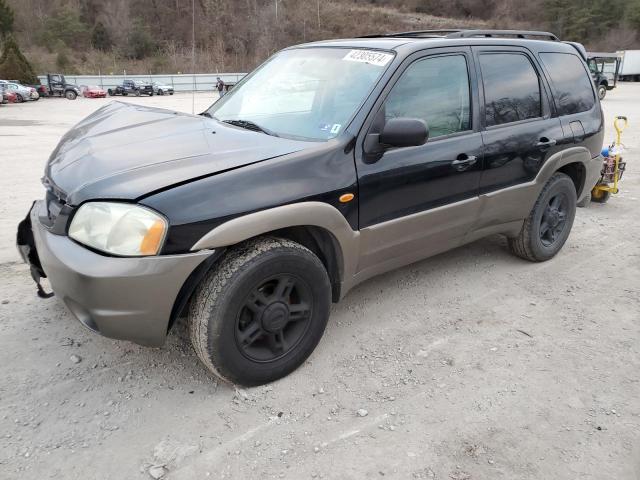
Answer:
(9, 97)
(93, 92)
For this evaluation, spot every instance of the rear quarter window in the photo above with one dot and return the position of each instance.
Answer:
(570, 81)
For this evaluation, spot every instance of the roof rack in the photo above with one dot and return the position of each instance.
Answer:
(415, 33)
(502, 33)
(460, 33)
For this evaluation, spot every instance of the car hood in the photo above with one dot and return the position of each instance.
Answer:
(125, 151)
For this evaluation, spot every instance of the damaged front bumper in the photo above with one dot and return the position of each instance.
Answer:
(127, 298)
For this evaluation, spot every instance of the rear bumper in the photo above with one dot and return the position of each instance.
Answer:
(123, 298)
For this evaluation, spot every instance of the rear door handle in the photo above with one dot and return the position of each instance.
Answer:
(546, 142)
(464, 161)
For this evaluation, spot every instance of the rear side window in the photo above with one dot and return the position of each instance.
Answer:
(570, 81)
(511, 88)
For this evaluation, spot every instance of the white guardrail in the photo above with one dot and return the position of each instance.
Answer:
(180, 82)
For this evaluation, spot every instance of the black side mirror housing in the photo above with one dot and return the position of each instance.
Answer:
(404, 132)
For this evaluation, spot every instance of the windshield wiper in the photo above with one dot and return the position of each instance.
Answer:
(249, 125)
(206, 114)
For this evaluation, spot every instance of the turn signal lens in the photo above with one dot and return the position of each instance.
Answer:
(151, 242)
(347, 197)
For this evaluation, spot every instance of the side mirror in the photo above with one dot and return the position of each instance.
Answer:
(404, 132)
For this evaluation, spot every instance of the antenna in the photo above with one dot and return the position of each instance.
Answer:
(193, 56)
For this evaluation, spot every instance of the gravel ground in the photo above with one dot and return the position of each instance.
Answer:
(470, 365)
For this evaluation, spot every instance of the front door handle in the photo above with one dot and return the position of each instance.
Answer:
(546, 142)
(464, 161)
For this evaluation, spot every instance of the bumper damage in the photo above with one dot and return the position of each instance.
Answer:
(127, 298)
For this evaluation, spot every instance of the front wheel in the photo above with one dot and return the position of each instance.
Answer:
(70, 95)
(259, 315)
(19, 98)
(602, 91)
(160, 92)
(137, 93)
(547, 227)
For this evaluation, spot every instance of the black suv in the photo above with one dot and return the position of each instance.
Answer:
(133, 87)
(331, 163)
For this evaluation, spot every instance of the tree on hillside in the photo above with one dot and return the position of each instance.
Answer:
(101, 38)
(140, 43)
(13, 65)
(64, 26)
(6, 19)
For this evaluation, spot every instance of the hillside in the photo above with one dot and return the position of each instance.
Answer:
(84, 36)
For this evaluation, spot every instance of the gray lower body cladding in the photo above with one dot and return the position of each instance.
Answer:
(124, 298)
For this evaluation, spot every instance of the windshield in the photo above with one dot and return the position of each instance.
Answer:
(308, 93)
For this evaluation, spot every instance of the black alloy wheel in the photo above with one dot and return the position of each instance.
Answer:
(274, 318)
(259, 313)
(549, 223)
(554, 219)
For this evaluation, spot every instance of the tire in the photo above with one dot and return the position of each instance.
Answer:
(252, 274)
(110, 92)
(19, 98)
(160, 92)
(124, 94)
(547, 227)
(602, 91)
(70, 95)
(600, 196)
(137, 94)
(585, 201)
(170, 93)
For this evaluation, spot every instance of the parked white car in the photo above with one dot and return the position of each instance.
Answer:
(22, 93)
(162, 89)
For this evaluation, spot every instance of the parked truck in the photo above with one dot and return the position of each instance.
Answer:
(56, 86)
(630, 66)
(604, 68)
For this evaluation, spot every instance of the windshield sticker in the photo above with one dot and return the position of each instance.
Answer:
(324, 127)
(336, 128)
(379, 59)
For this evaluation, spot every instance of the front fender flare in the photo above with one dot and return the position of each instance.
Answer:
(316, 214)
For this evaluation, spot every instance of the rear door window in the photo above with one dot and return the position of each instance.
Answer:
(511, 88)
(572, 89)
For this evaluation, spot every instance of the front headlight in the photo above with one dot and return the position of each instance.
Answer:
(119, 228)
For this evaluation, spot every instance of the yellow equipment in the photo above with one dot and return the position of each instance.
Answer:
(613, 167)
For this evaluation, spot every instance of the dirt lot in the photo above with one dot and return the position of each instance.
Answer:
(470, 365)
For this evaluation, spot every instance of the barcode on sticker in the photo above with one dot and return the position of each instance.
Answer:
(369, 56)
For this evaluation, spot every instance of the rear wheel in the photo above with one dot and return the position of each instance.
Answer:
(585, 201)
(259, 315)
(110, 92)
(547, 227)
